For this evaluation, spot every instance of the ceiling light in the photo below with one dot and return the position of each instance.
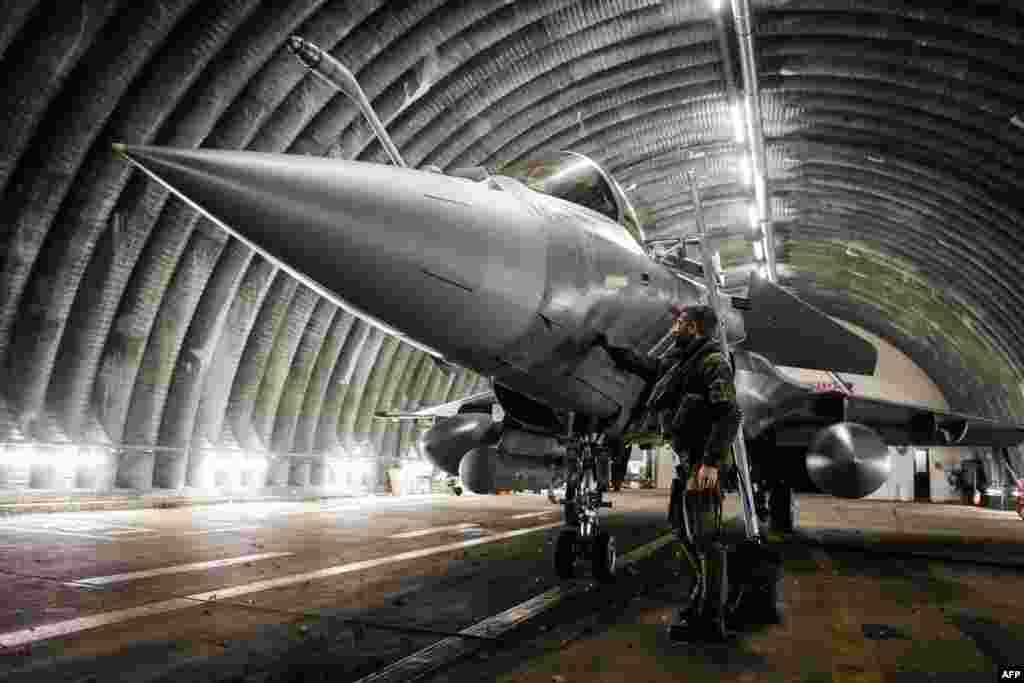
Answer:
(738, 125)
(1017, 120)
(746, 173)
(761, 194)
(716, 5)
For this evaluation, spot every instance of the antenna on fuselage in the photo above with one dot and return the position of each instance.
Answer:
(334, 73)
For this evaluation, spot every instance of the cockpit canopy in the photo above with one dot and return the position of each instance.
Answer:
(580, 180)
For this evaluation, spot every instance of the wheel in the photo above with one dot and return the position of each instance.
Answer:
(761, 503)
(565, 554)
(603, 557)
(783, 509)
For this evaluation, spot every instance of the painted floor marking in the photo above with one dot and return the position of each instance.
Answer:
(202, 532)
(56, 502)
(175, 569)
(68, 626)
(109, 533)
(54, 532)
(67, 524)
(435, 530)
(431, 658)
(527, 515)
(367, 506)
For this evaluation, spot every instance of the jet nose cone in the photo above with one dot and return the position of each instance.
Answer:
(450, 263)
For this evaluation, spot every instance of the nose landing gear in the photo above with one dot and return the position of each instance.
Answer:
(588, 471)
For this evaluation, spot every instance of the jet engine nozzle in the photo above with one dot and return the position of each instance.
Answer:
(452, 437)
(848, 460)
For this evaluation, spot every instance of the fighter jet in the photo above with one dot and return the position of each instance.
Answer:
(514, 273)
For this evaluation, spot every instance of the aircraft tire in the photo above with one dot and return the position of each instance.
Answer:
(565, 554)
(603, 557)
(783, 509)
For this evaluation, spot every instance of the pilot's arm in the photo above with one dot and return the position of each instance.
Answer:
(723, 410)
(627, 359)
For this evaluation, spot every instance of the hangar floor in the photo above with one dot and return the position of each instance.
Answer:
(341, 590)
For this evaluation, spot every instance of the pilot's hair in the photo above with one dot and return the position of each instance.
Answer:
(704, 316)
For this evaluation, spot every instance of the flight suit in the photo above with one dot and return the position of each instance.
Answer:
(692, 401)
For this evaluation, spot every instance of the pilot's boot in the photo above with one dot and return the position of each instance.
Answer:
(687, 625)
(704, 617)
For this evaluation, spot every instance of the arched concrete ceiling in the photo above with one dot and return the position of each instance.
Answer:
(895, 150)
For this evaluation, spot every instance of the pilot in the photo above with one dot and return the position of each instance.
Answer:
(692, 402)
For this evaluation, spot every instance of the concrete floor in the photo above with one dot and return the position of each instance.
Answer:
(129, 594)
(873, 591)
(335, 590)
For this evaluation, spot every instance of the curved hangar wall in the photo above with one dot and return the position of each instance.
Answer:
(125, 320)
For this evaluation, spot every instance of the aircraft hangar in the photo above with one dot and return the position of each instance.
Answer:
(889, 138)
(867, 156)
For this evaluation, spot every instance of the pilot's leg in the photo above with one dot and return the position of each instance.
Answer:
(701, 514)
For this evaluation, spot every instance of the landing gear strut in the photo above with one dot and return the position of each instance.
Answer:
(782, 508)
(587, 475)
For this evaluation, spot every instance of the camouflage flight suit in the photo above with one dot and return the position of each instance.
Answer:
(692, 399)
(693, 403)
